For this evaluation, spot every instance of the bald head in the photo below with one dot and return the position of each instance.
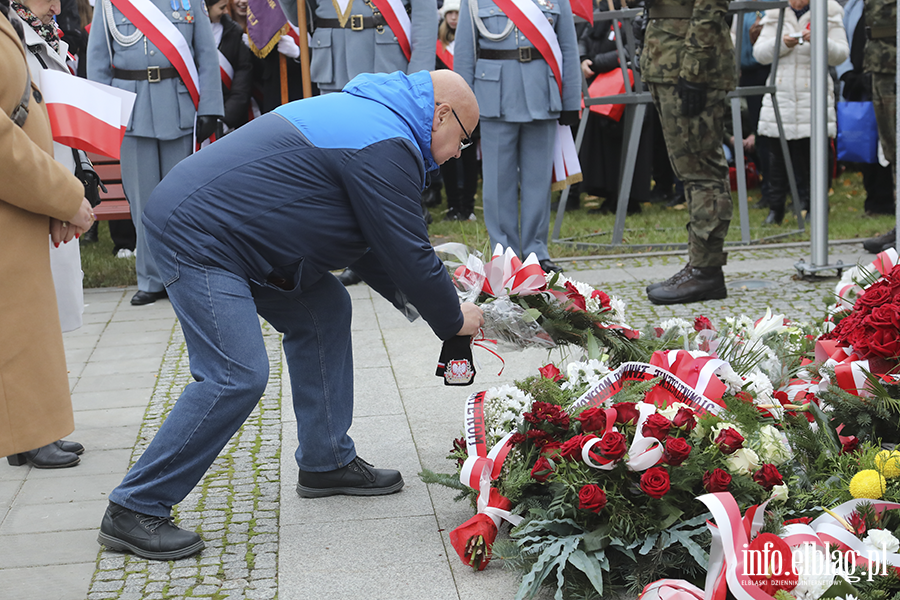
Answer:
(451, 88)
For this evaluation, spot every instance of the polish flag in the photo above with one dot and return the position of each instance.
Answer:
(85, 114)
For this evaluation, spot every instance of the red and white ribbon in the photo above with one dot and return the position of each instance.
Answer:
(85, 114)
(566, 168)
(445, 53)
(531, 21)
(151, 21)
(225, 70)
(644, 452)
(884, 262)
(394, 13)
(671, 589)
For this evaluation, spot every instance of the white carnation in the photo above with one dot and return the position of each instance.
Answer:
(814, 574)
(882, 540)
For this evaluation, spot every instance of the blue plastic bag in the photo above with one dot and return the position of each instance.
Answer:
(857, 132)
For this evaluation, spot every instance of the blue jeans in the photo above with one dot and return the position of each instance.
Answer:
(218, 314)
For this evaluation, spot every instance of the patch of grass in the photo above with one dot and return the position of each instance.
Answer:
(101, 267)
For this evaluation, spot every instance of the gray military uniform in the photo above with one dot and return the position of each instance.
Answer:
(341, 53)
(519, 102)
(161, 129)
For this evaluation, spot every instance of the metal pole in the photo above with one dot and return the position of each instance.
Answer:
(818, 143)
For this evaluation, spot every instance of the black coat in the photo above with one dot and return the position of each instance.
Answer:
(237, 99)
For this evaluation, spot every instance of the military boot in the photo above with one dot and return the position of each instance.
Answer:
(703, 283)
(677, 277)
(881, 243)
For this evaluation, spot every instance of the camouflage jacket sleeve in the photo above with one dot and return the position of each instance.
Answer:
(707, 39)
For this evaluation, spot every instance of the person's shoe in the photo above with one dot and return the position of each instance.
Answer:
(659, 196)
(142, 298)
(881, 243)
(704, 283)
(50, 456)
(90, 236)
(348, 277)
(548, 266)
(775, 216)
(73, 447)
(358, 478)
(676, 278)
(676, 200)
(156, 538)
(125, 253)
(452, 215)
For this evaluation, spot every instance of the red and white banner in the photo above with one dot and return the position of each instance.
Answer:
(145, 15)
(445, 54)
(394, 13)
(225, 70)
(531, 21)
(85, 114)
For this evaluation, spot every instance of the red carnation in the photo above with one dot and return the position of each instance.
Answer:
(591, 497)
(717, 481)
(684, 419)
(676, 451)
(577, 300)
(550, 372)
(626, 413)
(592, 419)
(656, 426)
(473, 539)
(517, 438)
(729, 440)
(602, 298)
(655, 482)
(541, 470)
(459, 445)
(612, 446)
(768, 476)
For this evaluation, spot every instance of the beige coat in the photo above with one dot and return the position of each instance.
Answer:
(35, 406)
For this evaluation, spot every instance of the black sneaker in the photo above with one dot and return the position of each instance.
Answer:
(359, 478)
(881, 243)
(156, 538)
(684, 273)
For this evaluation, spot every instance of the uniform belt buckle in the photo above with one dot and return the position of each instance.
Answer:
(524, 55)
(356, 22)
(153, 74)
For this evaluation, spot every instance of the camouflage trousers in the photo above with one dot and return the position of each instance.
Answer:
(884, 97)
(697, 158)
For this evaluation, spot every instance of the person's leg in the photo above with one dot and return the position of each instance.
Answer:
(469, 164)
(140, 175)
(500, 192)
(230, 368)
(536, 174)
(799, 150)
(884, 98)
(779, 185)
(450, 175)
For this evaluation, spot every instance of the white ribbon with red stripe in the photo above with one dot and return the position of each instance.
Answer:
(566, 168)
(671, 589)
(394, 13)
(531, 21)
(481, 467)
(85, 114)
(225, 70)
(644, 452)
(445, 53)
(847, 289)
(151, 21)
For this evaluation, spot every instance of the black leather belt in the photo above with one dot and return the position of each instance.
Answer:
(151, 74)
(520, 54)
(354, 23)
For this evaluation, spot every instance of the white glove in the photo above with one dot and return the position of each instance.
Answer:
(246, 39)
(288, 47)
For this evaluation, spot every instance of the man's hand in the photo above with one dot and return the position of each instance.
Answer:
(693, 97)
(473, 319)
(586, 68)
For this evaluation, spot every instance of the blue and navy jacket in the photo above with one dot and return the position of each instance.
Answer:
(317, 185)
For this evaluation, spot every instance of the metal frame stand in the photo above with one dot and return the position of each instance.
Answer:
(636, 99)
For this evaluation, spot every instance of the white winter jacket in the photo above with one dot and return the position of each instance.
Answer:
(793, 82)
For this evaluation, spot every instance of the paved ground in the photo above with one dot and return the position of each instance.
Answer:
(128, 364)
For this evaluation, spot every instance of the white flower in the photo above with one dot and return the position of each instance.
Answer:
(681, 326)
(768, 324)
(581, 373)
(742, 461)
(882, 540)
(780, 493)
(503, 408)
(617, 305)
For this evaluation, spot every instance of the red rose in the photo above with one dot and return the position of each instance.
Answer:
(655, 482)
(729, 440)
(717, 481)
(592, 419)
(877, 294)
(612, 446)
(577, 300)
(626, 412)
(602, 298)
(676, 451)
(473, 539)
(550, 372)
(541, 470)
(884, 343)
(884, 317)
(768, 476)
(591, 497)
(684, 419)
(571, 449)
(549, 448)
(656, 426)
(701, 323)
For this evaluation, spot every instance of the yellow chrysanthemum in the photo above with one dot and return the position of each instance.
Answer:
(868, 483)
(888, 463)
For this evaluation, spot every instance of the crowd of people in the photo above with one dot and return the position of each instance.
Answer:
(283, 194)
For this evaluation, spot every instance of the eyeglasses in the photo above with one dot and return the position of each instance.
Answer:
(466, 141)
